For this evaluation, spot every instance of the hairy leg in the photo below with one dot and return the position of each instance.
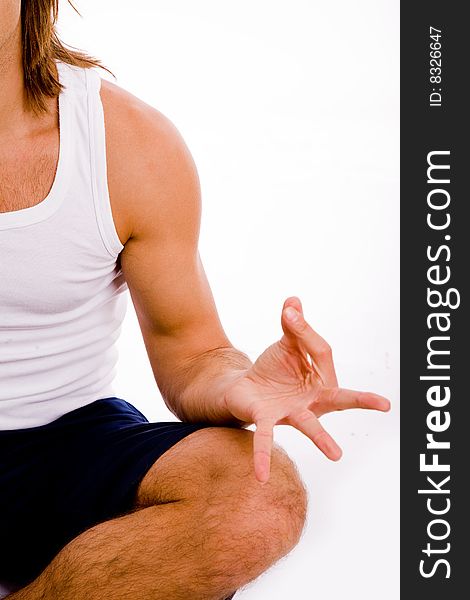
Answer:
(201, 527)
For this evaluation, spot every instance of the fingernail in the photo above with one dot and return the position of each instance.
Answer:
(291, 313)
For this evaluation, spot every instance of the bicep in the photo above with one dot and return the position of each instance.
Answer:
(161, 263)
(172, 298)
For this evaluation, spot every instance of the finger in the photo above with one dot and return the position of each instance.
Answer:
(292, 302)
(262, 447)
(295, 302)
(313, 343)
(331, 399)
(307, 423)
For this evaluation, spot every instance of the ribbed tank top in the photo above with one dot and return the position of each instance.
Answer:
(62, 295)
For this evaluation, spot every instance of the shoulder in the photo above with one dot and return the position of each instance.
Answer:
(131, 120)
(151, 174)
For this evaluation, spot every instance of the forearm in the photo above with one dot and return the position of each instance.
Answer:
(196, 392)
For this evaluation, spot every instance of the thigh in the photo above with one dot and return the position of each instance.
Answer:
(213, 459)
(59, 479)
(190, 467)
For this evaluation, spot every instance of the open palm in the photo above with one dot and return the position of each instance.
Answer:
(293, 382)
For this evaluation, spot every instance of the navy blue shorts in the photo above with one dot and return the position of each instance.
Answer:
(59, 479)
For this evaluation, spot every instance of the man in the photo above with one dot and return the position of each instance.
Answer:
(98, 195)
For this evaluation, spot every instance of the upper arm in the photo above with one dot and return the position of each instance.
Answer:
(154, 189)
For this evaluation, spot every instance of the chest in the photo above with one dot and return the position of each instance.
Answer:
(28, 165)
(27, 171)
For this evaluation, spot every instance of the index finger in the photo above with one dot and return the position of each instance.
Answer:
(319, 350)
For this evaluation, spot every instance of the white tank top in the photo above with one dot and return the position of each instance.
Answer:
(62, 295)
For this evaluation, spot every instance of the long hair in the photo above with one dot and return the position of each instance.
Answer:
(41, 48)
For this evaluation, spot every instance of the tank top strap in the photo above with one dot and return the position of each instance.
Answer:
(99, 176)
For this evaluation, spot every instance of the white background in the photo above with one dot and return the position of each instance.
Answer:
(291, 111)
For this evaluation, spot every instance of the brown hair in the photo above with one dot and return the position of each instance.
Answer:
(41, 48)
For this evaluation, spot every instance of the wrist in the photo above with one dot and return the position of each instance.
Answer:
(223, 406)
(225, 402)
(207, 380)
(206, 401)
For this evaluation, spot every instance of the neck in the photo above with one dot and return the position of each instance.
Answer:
(13, 110)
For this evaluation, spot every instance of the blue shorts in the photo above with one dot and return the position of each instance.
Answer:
(59, 479)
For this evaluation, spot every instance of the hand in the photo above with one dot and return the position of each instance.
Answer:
(293, 382)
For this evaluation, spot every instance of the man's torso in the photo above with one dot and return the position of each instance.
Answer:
(28, 160)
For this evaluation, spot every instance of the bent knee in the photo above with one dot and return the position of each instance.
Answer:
(214, 467)
(288, 492)
(277, 508)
